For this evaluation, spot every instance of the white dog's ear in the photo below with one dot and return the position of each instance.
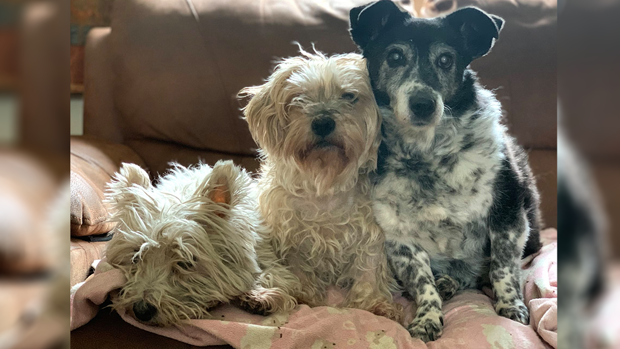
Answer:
(126, 185)
(219, 187)
(130, 174)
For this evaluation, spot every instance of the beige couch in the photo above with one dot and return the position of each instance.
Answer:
(160, 85)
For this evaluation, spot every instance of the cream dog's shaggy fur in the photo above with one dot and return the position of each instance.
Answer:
(185, 245)
(317, 124)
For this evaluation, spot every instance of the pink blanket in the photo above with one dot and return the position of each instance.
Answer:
(470, 321)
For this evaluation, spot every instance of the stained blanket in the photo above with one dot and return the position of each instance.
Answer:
(469, 318)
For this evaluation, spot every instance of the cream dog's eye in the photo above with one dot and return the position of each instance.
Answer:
(349, 96)
(134, 258)
(185, 265)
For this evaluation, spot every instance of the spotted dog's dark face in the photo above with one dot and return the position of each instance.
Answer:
(418, 67)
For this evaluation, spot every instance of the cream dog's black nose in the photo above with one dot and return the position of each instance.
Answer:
(323, 127)
(144, 311)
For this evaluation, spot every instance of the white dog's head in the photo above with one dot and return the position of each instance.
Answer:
(317, 120)
(185, 245)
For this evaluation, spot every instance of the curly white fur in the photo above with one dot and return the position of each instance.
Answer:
(186, 244)
(314, 191)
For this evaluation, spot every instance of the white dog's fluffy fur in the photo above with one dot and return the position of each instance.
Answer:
(185, 245)
(314, 190)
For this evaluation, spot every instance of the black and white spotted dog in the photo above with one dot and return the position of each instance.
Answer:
(454, 192)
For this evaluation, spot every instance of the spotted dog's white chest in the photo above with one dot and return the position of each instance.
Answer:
(439, 216)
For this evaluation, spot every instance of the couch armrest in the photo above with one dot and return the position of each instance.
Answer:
(82, 256)
(93, 163)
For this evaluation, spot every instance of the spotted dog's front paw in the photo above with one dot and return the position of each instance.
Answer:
(446, 286)
(428, 327)
(516, 310)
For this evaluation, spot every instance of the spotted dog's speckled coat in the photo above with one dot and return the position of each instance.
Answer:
(454, 193)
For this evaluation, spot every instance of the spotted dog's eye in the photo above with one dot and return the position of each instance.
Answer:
(445, 61)
(396, 58)
(349, 97)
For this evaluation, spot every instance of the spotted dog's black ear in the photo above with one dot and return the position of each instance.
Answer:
(366, 22)
(478, 29)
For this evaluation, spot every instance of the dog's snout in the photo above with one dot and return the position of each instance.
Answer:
(324, 126)
(144, 311)
(422, 107)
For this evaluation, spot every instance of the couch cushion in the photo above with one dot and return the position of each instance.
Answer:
(83, 254)
(544, 166)
(93, 163)
(189, 98)
(88, 213)
(100, 114)
(158, 155)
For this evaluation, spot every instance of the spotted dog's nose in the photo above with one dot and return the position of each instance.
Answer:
(323, 127)
(144, 311)
(422, 107)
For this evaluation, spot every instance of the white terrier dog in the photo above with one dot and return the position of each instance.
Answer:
(317, 124)
(185, 245)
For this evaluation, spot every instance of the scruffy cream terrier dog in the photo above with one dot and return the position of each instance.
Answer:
(317, 124)
(185, 245)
